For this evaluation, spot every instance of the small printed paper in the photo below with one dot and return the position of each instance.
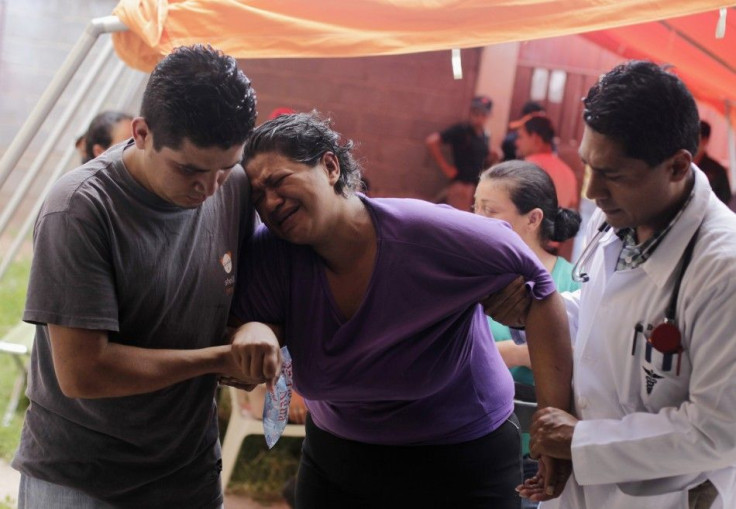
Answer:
(276, 405)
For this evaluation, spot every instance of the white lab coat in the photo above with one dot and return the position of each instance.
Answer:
(638, 449)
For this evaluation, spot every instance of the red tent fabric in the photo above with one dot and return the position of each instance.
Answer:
(705, 63)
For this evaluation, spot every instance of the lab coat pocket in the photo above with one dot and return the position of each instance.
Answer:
(664, 378)
(629, 385)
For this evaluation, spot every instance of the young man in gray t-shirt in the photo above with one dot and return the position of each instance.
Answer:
(134, 268)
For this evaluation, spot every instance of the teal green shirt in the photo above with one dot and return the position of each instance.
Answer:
(562, 276)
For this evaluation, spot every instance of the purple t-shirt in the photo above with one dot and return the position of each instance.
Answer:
(416, 364)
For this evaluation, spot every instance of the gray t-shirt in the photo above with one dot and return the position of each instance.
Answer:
(110, 255)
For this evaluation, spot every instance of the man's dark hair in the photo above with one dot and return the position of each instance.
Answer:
(531, 107)
(305, 138)
(646, 109)
(100, 129)
(704, 130)
(541, 126)
(198, 93)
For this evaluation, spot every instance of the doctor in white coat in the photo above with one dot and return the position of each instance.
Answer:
(655, 405)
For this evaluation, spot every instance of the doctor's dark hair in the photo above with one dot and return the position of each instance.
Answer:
(646, 109)
(305, 138)
(198, 93)
(530, 187)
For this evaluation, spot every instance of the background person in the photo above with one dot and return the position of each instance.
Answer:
(377, 301)
(105, 130)
(524, 196)
(508, 145)
(470, 145)
(715, 171)
(130, 289)
(534, 143)
(656, 404)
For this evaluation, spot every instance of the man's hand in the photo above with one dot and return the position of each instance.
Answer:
(549, 481)
(551, 433)
(237, 383)
(551, 439)
(256, 353)
(509, 306)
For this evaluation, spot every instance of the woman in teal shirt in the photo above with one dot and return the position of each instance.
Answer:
(523, 195)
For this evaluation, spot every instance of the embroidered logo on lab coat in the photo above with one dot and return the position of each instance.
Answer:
(652, 378)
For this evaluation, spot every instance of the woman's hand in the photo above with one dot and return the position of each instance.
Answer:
(297, 409)
(256, 353)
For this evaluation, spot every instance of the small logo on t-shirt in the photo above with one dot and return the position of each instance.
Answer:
(227, 262)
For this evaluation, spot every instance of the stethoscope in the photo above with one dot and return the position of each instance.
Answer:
(577, 271)
(665, 337)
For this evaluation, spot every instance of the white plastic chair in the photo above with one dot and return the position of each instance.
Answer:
(17, 343)
(245, 419)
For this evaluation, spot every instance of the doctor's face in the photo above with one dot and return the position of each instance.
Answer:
(629, 191)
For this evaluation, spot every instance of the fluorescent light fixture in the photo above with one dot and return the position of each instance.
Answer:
(457, 65)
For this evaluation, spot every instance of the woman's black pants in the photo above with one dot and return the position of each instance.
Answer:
(339, 473)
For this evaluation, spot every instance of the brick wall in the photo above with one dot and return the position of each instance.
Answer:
(387, 105)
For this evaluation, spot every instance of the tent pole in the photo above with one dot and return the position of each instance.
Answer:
(63, 164)
(52, 139)
(61, 79)
(731, 144)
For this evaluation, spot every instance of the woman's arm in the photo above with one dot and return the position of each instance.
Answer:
(550, 351)
(513, 355)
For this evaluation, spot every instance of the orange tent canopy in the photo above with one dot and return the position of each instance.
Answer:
(705, 63)
(351, 28)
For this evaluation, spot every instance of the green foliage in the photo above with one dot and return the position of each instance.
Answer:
(13, 294)
(8, 503)
(12, 299)
(260, 473)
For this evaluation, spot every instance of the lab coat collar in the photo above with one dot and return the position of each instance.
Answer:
(662, 263)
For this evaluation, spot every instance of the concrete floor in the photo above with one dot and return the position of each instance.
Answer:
(9, 481)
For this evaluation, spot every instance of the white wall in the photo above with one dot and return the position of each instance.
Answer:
(496, 77)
